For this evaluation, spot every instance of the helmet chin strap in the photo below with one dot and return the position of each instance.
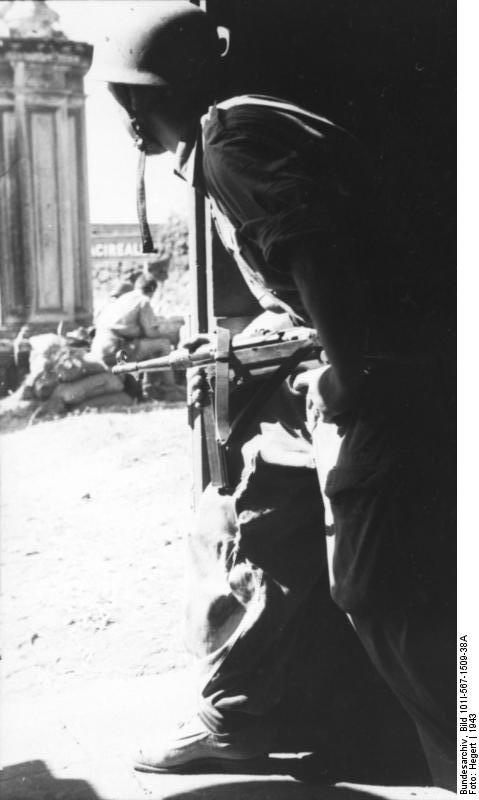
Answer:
(145, 232)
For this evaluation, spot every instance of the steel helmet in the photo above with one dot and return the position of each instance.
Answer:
(156, 43)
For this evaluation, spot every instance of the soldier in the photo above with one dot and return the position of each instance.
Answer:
(129, 322)
(291, 196)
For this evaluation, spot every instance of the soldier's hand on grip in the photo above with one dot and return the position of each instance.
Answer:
(327, 399)
(197, 382)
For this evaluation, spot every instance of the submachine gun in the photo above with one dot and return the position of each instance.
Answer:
(241, 358)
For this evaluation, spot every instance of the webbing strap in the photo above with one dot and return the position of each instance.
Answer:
(272, 102)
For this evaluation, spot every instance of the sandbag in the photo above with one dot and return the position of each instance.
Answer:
(86, 388)
(76, 363)
(44, 385)
(105, 400)
(39, 385)
(169, 327)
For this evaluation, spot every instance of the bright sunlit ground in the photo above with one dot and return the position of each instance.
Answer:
(94, 510)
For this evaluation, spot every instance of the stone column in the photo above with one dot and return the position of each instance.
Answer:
(45, 275)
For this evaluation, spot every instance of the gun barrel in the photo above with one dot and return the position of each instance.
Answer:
(159, 363)
(178, 360)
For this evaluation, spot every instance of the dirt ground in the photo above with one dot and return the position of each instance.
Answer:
(94, 509)
(94, 512)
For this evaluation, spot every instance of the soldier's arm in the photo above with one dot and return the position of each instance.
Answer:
(332, 295)
(148, 321)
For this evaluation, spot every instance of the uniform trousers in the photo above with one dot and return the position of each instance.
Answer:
(385, 512)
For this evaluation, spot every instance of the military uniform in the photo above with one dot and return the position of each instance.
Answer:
(275, 173)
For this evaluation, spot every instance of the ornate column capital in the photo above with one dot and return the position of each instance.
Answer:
(30, 19)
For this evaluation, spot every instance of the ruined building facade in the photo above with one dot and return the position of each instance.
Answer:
(45, 275)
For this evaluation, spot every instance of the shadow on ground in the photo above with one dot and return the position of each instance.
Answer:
(32, 780)
(271, 790)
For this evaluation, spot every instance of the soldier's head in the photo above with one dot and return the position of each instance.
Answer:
(146, 285)
(161, 61)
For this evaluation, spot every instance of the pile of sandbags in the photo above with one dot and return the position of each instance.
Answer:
(67, 377)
